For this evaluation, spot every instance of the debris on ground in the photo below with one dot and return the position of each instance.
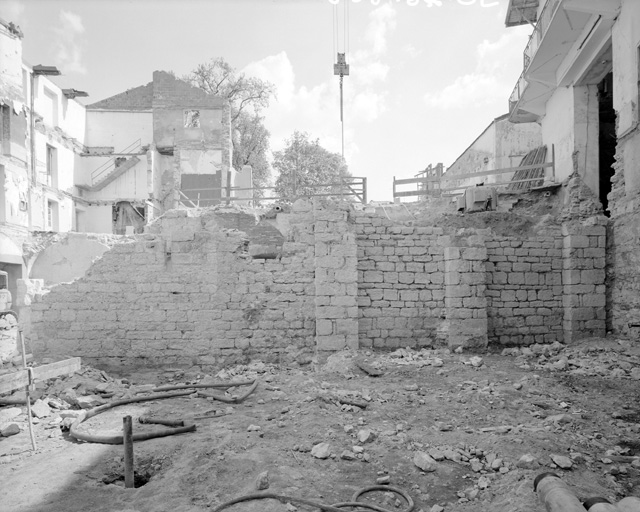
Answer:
(458, 430)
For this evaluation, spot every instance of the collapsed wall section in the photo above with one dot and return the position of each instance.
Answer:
(189, 295)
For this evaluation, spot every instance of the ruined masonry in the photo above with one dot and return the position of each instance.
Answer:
(224, 285)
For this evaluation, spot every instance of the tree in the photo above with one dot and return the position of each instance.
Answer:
(247, 96)
(250, 147)
(243, 92)
(304, 163)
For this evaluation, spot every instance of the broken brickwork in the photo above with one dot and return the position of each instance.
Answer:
(623, 257)
(195, 290)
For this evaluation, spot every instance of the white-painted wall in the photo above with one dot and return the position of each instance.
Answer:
(626, 41)
(57, 110)
(98, 219)
(557, 128)
(130, 185)
(118, 129)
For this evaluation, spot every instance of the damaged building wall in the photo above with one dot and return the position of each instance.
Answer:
(624, 199)
(502, 144)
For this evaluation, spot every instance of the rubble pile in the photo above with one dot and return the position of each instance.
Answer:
(615, 361)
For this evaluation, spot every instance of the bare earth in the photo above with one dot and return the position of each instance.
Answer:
(580, 402)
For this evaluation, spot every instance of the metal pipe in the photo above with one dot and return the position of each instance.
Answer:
(555, 494)
(628, 504)
(598, 504)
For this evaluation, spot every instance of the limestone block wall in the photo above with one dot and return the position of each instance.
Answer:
(336, 284)
(524, 290)
(465, 296)
(583, 279)
(190, 291)
(400, 282)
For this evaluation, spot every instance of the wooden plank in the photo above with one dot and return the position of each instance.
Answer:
(408, 181)
(20, 378)
(496, 171)
(412, 193)
(48, 371)
(493, 185)
(12, 381)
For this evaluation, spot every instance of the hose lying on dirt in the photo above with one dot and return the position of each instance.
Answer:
(225, 385)
(233, 399)
(337, 507)
(117, 439)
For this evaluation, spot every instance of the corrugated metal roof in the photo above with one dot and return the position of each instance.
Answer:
(521, 12)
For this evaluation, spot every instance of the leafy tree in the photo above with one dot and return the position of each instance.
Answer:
(250, 147)
(303, 163)
(244, 93)
(248, 96)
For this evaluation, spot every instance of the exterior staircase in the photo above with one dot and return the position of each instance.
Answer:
(114, 167)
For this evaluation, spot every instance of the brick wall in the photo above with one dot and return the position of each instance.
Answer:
(623, 260)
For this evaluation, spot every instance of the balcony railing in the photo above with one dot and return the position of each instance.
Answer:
(521, 84)
(544, 20)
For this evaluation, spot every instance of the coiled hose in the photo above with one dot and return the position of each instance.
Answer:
(336, 507)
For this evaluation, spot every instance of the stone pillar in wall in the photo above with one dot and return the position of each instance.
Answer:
(465, 301)
(336, 282)
(26, 290)
(583, 279)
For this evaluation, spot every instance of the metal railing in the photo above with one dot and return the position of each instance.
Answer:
(542, 25)
(351, 186)
(103, 170)
(535, 39)
(516, 94)
(440, 181)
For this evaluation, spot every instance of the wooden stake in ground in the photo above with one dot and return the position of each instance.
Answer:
(128, 452)
(27, 389)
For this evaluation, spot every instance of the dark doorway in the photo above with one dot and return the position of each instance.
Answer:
(606, 137)
(201, 190)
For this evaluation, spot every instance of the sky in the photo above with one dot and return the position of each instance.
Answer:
(426, 76)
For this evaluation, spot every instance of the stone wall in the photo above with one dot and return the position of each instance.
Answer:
(186, 292)
(400, 282)
(524, 290)
(191, 291)
(623, 256)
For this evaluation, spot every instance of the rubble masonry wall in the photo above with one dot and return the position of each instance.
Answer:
(189, 296)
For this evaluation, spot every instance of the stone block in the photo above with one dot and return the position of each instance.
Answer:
(596, 276)
(324, 327)
(474, 253)
(374, 276)
(331, 343)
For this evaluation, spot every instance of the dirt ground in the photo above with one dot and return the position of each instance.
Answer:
(476, 415)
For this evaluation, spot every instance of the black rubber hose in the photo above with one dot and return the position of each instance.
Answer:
(337, 507)
(118, 439)
(198, 386)
(232, 400)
